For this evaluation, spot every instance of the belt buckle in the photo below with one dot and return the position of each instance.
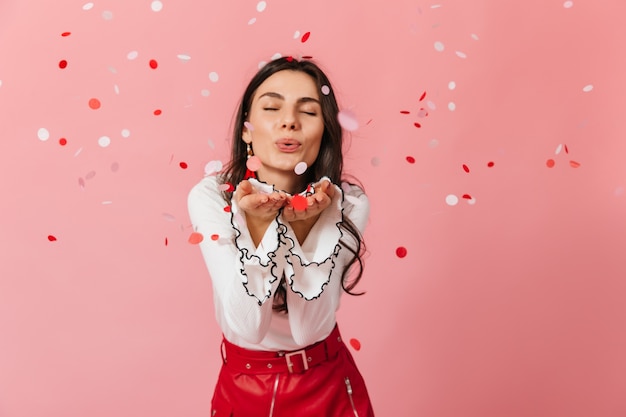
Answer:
(302, 353)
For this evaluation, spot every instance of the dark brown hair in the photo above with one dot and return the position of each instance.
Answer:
(329, 160)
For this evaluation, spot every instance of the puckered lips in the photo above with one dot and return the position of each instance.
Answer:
(288, 145)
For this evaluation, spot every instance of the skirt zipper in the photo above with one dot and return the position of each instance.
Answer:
(274, 395)
(349, 388)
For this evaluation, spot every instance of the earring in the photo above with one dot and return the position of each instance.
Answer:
(249, 172)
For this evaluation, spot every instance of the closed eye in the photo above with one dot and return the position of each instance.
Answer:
(270, 108)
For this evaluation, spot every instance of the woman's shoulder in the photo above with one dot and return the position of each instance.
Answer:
(207, 188)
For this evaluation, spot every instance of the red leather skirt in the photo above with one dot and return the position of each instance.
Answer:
(319, 380)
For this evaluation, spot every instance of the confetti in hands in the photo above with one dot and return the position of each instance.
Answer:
(257, 204)
(311, 206)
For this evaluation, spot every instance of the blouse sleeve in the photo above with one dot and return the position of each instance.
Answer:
(243, 276)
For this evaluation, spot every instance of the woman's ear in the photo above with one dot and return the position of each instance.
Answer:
(246, 136)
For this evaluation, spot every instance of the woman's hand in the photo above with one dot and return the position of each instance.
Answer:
(258, 205)
(315, 203)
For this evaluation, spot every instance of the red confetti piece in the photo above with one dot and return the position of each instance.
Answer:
(307, 57)
(157, 112)
(574, 164)
(227, 209)
(490, 164)
(62, 141)
(215, 237)
(466, 168)
(62, 64)
(299, 203)
(153, 64)
(550, 163)
(355, 344)
(565, 147)
(183, 165)
(94, 103)
(195, 238)
(467, 196)
(165, 241)
(423, 96)
(289, 58)
(405, 112)
(66, 33)
(230, 188)
(305, 37)
(410, 159)
(52, 238)
(417, 125)
(401, 252)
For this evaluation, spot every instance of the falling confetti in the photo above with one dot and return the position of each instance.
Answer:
(94, 103)
(325, 90)
(62, 141)
(115, 167)
(347, 120)
(165, 241)
(260, 7)
(63, 64)
(107, 15)
(104, 141)
(153, 64)
(195, 238)
(64, 34)
(132, 55)
(253, 163)
(356, 345)
(452, 200)
(401, 252)
(466, 168)
(88, 6)
(305, 37)
(183, 165)
(125, 133)
(439, 46)
(169, 217)
(568, 4)
(43, 134)
(574, 164)
(300, 168)
(158, 112)
(299, 202)
(156, 6)
(451, 85)
(423, 96)
(405, 112)
(410, 159)
(212, 167)
(490, 164)
(228, 187)
(183, 57)
(451, 106)
(227, 209)
(52, 238)
(214, 77)
(248, 126)
(550, 163)
(215, 237)
(461, 54)
(588, 88)
(417, 125)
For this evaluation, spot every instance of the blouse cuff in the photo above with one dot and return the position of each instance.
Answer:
(310, 265)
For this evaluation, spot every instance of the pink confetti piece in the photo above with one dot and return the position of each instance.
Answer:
(90, 175)
(115, 167)
(253, 163)
(574, 164)
(195, 238)
(212, 167)
(356, 345)
(348, 120)
(153, 64)
(169, 217)
(52, 238)
(183, 165)
(215, 237)
(300, 168)
(550, 163)
(248, 126)
(228, 187)
(466, 168)
(94, 103)
(305, 37)
(422, 112)
(63, 64)
(401, 252)
(325, 90)
(299, 202)
(81, 183)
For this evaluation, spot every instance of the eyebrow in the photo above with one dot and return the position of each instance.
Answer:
(280, 97)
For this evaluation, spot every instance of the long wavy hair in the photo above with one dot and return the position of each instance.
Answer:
(329, 160)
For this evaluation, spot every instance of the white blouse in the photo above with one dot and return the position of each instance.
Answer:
(246, 277)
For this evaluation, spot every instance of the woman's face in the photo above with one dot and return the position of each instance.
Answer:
(285, 124)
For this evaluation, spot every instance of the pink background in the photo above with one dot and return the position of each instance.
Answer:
(509, 303)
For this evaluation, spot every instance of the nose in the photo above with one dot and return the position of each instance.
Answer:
(289, 119)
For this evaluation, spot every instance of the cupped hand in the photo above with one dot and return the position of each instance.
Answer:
(316, 203)
(257, 204)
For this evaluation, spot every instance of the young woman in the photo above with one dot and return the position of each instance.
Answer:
(285, 244)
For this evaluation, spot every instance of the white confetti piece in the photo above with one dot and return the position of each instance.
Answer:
(212, 167)
(125, 133)
(116, 89)
(104, 141)
(169, 217)
(88, 6)
(252, 21)
(431, 105)
(132, 55)
(78, 152)
(348, 120)
(439, 46)
(262, 64)
(568, 4)
(156, 6)
(433, 143)
(43, 134)
(107, 15)
(183, 57)
(452, 200)
(451, 85)
(107, 202)
(205, 93)
(452, 106)
(0, 83)
(435, 6)
(474, 36)
(277, 55)
(260, 6)
(300, 168)
(471, 201)
(211, 143)
(558, 149)
(214, 77)
(296, 35)
(588, 88)
(461, 54)
(325, 90)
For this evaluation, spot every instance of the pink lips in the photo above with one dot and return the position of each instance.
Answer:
(287, 145)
